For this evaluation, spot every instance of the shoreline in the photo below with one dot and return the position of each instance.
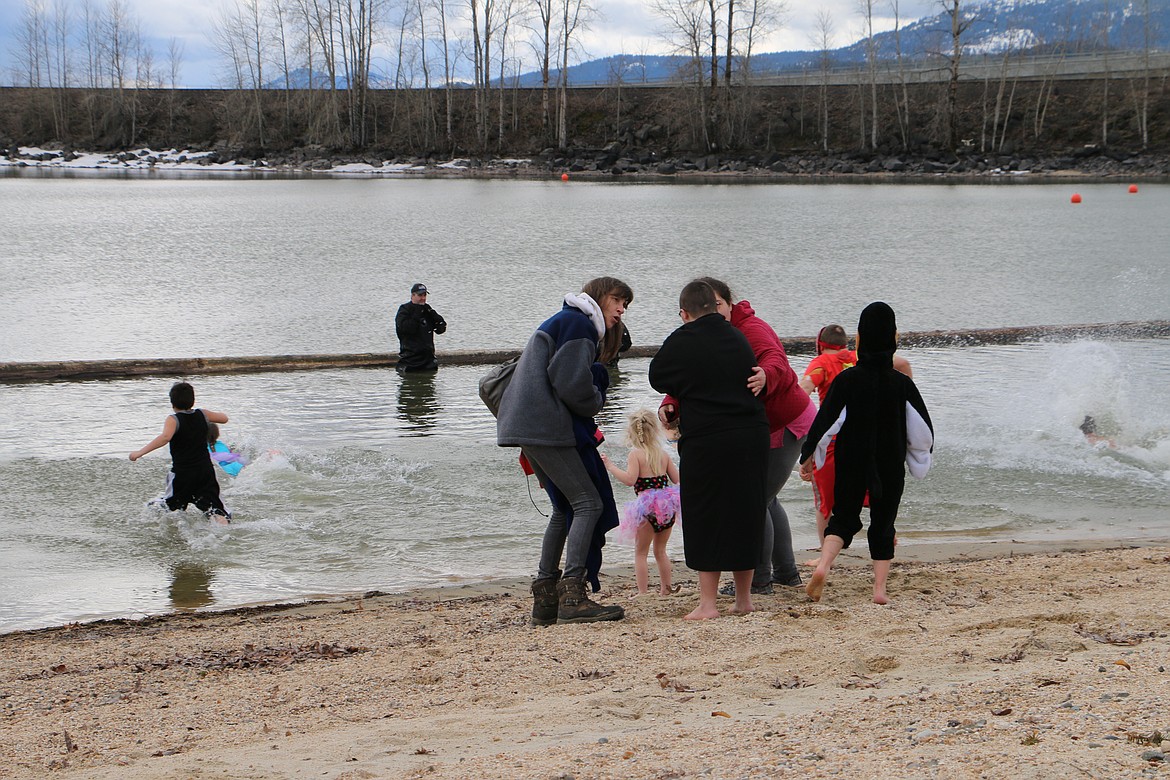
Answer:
(793, 168)
(908, 553)
(1021, 665)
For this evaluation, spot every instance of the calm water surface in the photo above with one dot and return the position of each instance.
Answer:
(95, 267)
(365, 481)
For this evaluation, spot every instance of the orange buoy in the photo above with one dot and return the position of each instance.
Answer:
(1133, 189)
(1076, 198)
(564, 177)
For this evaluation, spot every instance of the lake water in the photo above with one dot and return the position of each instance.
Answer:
(364, 481)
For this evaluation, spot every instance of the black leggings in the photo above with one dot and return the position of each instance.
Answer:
(848, 497)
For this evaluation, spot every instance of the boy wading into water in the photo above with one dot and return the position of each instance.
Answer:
(882, 427)
(192, 476)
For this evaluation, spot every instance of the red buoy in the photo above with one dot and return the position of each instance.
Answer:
(1076, 198)
(1133, 189)
(564, 177)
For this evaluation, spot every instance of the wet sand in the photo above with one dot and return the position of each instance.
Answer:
(993, 660)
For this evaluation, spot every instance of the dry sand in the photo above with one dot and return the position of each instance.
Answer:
(1048, 664)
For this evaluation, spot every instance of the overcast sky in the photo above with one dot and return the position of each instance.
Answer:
(624, 26)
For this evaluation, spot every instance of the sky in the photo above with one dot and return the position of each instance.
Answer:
(623, 27)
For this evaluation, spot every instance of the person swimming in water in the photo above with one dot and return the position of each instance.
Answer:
(1092, 435)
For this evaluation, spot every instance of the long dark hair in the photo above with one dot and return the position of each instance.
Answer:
(597, 289)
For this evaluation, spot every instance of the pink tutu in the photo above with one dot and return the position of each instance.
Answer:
(661, 505)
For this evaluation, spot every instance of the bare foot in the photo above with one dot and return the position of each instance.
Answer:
(698, 613)
(816, 585)
(881, 598)
(220, 520)
(813, 562)
(738, 611)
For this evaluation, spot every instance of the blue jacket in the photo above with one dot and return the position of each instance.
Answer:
(554, 381)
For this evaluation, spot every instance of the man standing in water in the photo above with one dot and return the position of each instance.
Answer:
(416, 325)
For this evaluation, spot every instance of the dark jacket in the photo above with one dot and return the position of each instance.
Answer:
(416, 325)
(880, 422)
(705, 364)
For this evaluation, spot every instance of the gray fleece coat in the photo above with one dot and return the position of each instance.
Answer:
(554, 381)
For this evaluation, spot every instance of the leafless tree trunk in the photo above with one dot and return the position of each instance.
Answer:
(428, 108)
(686, 32)
(1105, 75)
(509, 14)
(280, 29)
(729, 47)
(119, 34)
(544, 51)
(240, 36)
(871, 66)
(1044, 94)
(574, 16)
(824, 43)
(447, 75)
(482, 18)
(1140, 86)
(174, 68)
(1003, 76)
(902, 107)
(959, 25)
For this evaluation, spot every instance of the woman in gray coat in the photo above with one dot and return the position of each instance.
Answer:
(547, 410)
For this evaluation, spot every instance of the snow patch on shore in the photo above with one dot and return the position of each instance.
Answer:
(186, 160)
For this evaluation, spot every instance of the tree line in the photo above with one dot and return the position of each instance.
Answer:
(442, 77)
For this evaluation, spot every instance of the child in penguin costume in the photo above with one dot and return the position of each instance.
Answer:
(882, 429)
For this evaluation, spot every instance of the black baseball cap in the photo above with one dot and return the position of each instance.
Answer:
(419, 289)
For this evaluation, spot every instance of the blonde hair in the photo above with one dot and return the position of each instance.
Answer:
(644, 433)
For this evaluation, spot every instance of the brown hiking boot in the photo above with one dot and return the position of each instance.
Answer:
(544, 601)
(575, 607)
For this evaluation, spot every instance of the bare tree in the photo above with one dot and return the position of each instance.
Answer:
(281, 25)
(575, 15)
(685, 30)
(902, 105)
(359, 22)
(1140, 86)
(239, 34)
(871, 68)
(511, 15)
(543, 29)
(1107, 20)
(174, 68)
(482, 17)
(30, 35)
(119, 46)
(959, 24)
(441, 7)
(823, 40)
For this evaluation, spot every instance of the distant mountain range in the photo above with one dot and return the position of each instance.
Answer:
(1028, 26)
(994, 26)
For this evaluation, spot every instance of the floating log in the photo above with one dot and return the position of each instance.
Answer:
(73, 370)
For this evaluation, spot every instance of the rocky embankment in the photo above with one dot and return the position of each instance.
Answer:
(616, 159)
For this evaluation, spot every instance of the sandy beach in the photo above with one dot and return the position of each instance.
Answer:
(993, 661)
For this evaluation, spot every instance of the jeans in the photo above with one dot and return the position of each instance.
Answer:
(562, 466)
(778, 562)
